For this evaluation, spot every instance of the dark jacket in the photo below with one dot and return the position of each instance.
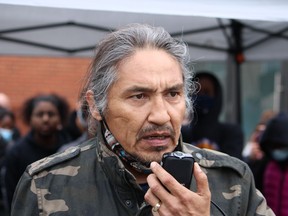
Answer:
(23, 153)
(91, 180)
(276, 132)
(225, 137)
(271, 173)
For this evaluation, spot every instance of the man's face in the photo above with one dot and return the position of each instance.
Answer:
(45, 118)
(146, 105)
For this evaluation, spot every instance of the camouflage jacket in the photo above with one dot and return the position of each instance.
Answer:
(90, 180)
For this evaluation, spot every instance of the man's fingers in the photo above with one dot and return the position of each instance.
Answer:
(172, 185)
(179, 200)
(166, 179)
(201, 181)
(151, 198)
(156, 187)
(155, 194)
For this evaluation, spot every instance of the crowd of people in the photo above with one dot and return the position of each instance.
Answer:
(140, 101)
(51, 126)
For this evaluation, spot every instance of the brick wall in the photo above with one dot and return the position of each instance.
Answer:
(24, 77)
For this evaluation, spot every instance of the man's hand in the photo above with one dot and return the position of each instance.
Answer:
(180, 200)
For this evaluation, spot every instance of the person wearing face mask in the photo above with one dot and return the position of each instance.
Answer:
(8, 135)
(205, 130)
(8, 132)
(272, 178)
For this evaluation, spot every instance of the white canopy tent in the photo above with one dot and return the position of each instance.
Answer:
(214, 30)
(31, 27)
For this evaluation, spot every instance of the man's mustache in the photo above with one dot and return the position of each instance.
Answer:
(156, 129)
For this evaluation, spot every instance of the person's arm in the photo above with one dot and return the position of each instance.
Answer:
(180, 200)
(25, 200)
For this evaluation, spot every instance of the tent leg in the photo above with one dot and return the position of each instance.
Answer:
(284, 87)
(233, 94)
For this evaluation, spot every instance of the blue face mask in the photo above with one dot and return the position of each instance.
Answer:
(203, 104)
(280, 154)
(6, 134)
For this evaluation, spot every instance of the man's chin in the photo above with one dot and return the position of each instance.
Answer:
(151, 156)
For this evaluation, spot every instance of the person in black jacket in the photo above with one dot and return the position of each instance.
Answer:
(46, 116)
(9, 134)
(205, 130)
(271, 171)
(7, 131)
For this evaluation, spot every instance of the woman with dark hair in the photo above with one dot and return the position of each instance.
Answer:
(271, 177)
(45, 115)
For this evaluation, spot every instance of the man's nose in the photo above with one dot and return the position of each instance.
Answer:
(159, 112)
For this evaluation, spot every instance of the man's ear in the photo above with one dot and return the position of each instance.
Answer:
(92, 105)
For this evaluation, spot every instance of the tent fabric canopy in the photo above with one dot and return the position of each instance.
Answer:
(57, 28)
(268, 10)
(222, 30)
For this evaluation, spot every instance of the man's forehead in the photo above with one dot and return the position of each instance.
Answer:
(146, 82)
(149, 63)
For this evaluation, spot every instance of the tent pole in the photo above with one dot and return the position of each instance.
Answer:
(284, 87)
(235, 59)
(238, 93)
(233, 93)
(230, 94)
(237, 28)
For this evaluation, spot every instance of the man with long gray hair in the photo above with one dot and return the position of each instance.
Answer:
(136, 92)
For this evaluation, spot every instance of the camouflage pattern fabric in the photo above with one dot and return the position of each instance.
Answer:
(91, 180)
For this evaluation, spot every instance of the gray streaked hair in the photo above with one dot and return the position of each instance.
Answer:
(121, 44)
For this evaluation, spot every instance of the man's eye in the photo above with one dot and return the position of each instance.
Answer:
(139, 96)
(174, 94)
